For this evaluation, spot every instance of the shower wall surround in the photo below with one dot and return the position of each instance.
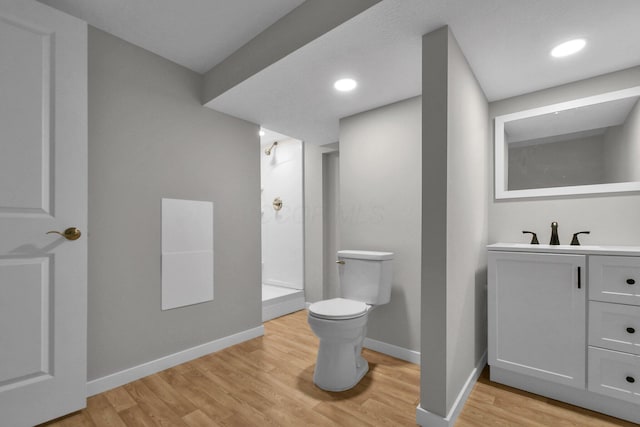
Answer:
(282, 229)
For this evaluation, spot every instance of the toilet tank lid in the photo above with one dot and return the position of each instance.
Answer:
(370, 255)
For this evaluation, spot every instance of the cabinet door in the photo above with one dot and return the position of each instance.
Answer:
(537, 322)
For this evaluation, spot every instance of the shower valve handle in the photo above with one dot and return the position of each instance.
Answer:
(277, 203)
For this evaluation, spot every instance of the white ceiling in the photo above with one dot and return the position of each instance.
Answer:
(197, 34)
(506, 42)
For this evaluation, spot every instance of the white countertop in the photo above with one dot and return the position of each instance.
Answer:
(582, 249)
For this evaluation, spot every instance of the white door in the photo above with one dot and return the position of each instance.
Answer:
(43, 187)
(537, 323)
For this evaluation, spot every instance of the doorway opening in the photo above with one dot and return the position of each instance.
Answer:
(282, 194)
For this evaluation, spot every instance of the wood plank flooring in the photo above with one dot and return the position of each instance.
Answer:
(268, 381)
(493, 404)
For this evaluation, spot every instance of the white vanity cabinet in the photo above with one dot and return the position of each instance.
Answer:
(564, 322)
(614, 327)
(537, 306)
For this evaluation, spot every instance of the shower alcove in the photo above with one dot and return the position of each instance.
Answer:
(281, 171)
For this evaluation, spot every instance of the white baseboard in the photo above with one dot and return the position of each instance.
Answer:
(117, 379)
(425, 418)
(429, 419)
(393, 350)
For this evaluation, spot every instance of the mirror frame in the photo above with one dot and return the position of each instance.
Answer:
(500, 160)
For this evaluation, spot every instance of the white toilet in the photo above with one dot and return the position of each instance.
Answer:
(341, 323)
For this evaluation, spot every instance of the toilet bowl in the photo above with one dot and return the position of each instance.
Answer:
(339, 365)
(341, 323)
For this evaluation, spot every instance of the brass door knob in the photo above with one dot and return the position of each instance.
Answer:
(340, 262)
(70, 233)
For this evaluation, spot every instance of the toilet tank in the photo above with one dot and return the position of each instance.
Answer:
(365, 276)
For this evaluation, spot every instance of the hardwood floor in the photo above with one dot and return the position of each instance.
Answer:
(493, 404)
(268, 381)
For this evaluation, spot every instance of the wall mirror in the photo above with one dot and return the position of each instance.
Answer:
(585, 146)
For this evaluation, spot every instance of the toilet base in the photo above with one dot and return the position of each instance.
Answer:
(362, 368)
(339, 365)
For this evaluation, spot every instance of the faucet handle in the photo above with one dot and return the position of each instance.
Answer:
(575, 241)
(555, 240)
(534, 237)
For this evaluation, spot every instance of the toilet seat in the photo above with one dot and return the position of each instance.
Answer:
(338, 309)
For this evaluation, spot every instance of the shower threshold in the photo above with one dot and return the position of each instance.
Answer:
(278, 301)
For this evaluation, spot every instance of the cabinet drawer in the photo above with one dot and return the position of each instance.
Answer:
(614, 279)
(614, 374)
(614, 326)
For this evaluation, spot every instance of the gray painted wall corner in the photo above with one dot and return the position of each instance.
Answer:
(380, 207)
(467, 222)
(433, 334)
(454, 223)
(313, 225)
(150, 138)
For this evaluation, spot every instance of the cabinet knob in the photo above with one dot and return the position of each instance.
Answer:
(631, 330)
(631, 282)
(631, 380)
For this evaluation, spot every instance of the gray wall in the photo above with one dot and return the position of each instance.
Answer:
(612, 219)
(149, 138)
(467, 222)
(455, 138)
(380, 208)
(622, 151)
(314, 228)
(331, 223)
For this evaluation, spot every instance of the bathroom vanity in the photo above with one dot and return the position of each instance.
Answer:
(564, 322)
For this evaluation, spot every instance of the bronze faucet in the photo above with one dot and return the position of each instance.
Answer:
(534, 237)
(575, 241)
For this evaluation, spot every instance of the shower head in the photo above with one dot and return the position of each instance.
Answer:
(267, 151)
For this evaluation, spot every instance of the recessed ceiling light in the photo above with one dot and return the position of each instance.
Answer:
(568, 48)
(261, 133)
(345, 85)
